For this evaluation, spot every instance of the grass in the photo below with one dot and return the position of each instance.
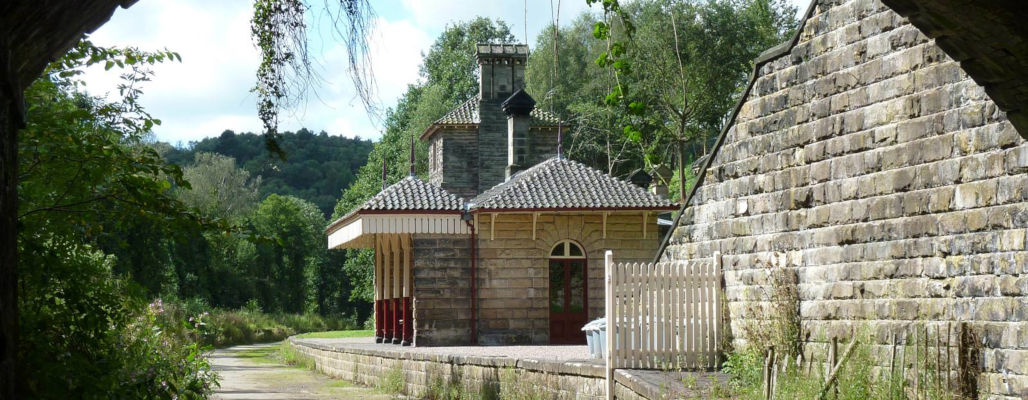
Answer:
(338, 334)
(263, 355)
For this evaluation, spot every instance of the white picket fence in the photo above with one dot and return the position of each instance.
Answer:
(665, 315)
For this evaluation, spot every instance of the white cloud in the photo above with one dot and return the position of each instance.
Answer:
(214, 77)
(208, 91)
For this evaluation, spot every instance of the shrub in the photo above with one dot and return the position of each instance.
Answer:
(83, 337)
(220, 327)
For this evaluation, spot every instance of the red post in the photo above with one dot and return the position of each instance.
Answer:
(408, 323)
(397, 330)
(387, 321)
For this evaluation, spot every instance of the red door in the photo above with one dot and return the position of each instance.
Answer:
(567, 301)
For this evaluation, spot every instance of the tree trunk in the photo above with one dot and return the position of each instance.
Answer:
(9, 122)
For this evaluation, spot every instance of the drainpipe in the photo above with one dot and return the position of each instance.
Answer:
(474, 266)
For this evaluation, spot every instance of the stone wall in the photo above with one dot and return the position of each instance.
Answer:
(542, 144)
(442, 313)
(479, 377)
(864, 158)
(513, 271)
(454, 158)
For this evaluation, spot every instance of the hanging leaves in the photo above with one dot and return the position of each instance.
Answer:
(284, 75)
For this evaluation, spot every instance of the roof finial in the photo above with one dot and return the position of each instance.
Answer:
(412, 155)
(383, 174)
(560, 140)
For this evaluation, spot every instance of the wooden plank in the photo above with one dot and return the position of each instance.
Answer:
(659, 311)
(680, 319)
(701, 303)
(686, 314)
(622, 307)
(608, 274)
(635, 316)
(669, 313)
(719, 312)
(709, 294)
(654, 325)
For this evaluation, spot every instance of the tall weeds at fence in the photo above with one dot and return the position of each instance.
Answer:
(927, 361)
(776, 320)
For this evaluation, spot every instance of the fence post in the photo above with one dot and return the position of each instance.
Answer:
(608, 278)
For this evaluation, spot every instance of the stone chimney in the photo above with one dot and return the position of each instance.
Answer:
(518, 108)
(502, 68)
(501, 73)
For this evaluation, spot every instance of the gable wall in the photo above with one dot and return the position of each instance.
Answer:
(454, 154)
(866, 159)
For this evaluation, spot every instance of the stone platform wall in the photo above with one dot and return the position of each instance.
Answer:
(480, 377)
(866, 160)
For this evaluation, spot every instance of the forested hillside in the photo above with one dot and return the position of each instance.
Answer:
(317, 167)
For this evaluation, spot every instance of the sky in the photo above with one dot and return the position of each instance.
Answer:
(209, 91)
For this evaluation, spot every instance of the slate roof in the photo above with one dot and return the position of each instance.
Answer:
(559, 183)
(413, 194)
(467, 114)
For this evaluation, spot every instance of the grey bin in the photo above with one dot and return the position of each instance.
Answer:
(596, 337)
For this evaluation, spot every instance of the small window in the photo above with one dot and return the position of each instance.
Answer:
(567, 249)
(558, 250)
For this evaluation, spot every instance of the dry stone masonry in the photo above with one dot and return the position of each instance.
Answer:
(866, 159)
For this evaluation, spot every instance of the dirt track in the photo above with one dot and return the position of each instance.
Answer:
(246, 373)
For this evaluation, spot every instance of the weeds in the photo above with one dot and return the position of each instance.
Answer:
(393, 382)
(289, 356)
(857, 378)
(513, 387)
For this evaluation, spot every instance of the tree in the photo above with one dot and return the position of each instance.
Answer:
(689, 76)
(319, 166)
(88, 182)
(218, 188)
(291, 255)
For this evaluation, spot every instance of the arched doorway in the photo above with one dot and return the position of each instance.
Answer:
(568, 293)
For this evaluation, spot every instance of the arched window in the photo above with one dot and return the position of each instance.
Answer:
(568, 293)
(567, 249)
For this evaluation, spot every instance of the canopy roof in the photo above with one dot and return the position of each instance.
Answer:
(408, 206)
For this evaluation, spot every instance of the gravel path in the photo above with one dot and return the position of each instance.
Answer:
(244, 373)
(549, 352)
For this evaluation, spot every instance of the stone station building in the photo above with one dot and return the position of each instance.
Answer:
(866, 160)
(504, 242)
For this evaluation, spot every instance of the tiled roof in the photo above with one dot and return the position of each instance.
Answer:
(467, 114)
(413, 194)
(559, 183)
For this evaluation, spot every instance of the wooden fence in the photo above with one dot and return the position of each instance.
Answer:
(665, 315)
